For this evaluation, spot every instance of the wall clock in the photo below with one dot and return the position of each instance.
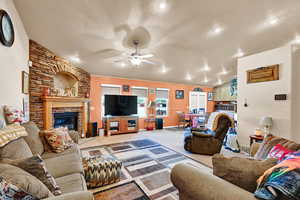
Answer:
(7, 33)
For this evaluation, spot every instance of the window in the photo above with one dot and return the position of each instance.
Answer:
(162, 102)
(108, 89)
(142, 94)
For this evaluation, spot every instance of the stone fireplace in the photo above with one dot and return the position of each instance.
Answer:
(68, 86)
(66, 119)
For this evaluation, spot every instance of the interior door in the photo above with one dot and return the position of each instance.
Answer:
(198, 100)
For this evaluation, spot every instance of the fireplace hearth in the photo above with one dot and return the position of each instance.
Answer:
(66, 119)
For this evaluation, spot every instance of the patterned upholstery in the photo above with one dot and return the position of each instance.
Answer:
(10, 133)
(101, 170)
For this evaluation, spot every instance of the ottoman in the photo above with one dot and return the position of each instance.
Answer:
(101, 170)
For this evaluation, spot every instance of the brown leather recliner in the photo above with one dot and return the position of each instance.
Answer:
(207, 144)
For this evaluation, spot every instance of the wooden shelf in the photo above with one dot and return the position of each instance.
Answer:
(120, 124)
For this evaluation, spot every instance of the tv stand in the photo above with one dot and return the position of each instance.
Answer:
(114, 125)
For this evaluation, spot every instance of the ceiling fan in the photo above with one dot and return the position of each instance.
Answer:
(135, 58)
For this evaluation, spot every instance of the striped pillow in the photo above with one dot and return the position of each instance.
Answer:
(10, 133)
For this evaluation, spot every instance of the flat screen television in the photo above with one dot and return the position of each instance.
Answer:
(120, 105)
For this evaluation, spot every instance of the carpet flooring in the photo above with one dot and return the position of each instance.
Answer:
(145, 172)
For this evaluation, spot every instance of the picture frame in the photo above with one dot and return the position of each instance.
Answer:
(179, 94)
(210, 96)
(25, 82)
(126, 88)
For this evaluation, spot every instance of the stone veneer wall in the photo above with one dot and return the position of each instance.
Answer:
(45, 64)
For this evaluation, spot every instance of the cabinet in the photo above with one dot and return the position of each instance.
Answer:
(198, 100)
(222, 93)
(120, 124)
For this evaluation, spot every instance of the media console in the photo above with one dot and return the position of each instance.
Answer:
(114, 125)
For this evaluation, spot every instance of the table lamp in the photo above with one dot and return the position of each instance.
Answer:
(266, 123)
(151, 106)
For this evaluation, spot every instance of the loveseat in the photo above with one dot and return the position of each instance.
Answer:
(65, 167)
(196, 184)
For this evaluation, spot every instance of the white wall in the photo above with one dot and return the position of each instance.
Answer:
(296, 94)
(13, 60)
(260, 96)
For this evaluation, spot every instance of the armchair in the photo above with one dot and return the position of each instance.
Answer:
(209, 141)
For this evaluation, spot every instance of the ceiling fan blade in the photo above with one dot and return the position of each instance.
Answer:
(146, 56)
(149, 62)
(108, 53)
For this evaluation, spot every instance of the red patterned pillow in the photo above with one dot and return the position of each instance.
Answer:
(13, 115)
(279, 152)
(59, 139)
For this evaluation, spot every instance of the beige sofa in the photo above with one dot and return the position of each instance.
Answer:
(65, 167)
(196, 184)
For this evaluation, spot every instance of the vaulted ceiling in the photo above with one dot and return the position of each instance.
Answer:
(193, 41)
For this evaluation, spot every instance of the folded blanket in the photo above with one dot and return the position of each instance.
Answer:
(281, 180)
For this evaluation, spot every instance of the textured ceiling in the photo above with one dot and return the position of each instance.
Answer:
(180, 34)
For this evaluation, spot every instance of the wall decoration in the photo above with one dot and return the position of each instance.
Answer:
(210, 96)
(26, 108)
(151, 91)
(179, 94)
(7, 33)
(25, 82)
(198, 90)
(233, 87)
(125, 88)
(263, 74)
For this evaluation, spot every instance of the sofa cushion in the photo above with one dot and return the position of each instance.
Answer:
(33, 139)
(36, 167)
(17, 149)
(68, 164)
(242, 172)
(11, 133)
(72, 183)
(24, 180)
(13, 115)
(270, 141)
(9, 191)
(74, 149)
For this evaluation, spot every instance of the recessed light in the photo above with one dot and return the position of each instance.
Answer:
(273, 20)
(224, 72)
(239, 54)
(163, 5)
(217, 30)
(164, 69)
(123, 64)
(219, 82)
(205, 80)
(74, 59)
(188, 77)
(206, 68)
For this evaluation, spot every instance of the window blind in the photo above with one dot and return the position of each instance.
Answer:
(140, 92)
(110, 90)
(162, 93)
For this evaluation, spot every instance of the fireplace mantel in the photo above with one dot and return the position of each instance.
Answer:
(51, 102)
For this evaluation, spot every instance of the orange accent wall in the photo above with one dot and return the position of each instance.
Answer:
(174, 104)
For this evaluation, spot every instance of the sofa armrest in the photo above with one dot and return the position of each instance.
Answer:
(195, 184)
(75, 136)
(73, 196)
(200, 134)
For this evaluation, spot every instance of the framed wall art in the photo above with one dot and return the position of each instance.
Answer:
(25, 82)
(179, 94)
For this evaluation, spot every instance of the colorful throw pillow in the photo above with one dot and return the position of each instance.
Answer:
(13, 115)
(9, 191)
(279, 152)
(11, 133)
(270, 141)
(59, 139)
(36, 167)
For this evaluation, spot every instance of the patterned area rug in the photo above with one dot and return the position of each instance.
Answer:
(145, 162)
